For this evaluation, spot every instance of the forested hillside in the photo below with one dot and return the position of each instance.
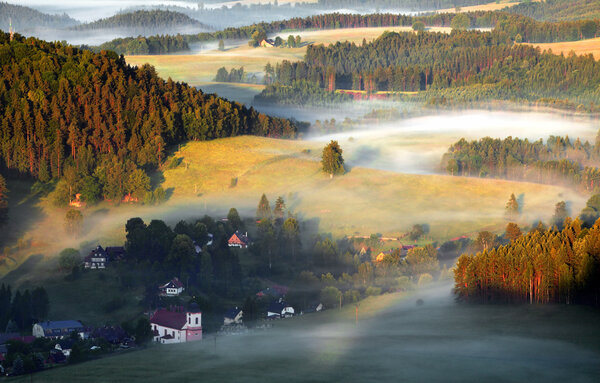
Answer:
(557, 160)
(485, 65)
(24, 18)
(558, 10)
(543, 266)
(98, 121)
(157, 20)
(412, 5)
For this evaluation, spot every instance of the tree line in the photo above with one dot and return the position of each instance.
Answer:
(543, 266)
(557, 10)
(559, 159)
(483, 65)
(20, 309)
(93, 119)
(142, 20)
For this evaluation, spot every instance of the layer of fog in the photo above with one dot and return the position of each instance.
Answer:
(416, 145)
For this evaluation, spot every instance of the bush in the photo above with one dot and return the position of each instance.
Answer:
(373, 291)
(424, 279)
(68, 259)
(330, 296)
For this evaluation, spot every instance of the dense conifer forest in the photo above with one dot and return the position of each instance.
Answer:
(557, 10)
(558, 160)
(97, 121)
(469, 60)
(541, 267)
(157, 20)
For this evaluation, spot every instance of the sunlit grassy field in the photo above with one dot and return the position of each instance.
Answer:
(362, 201)
(493, 6)
(393, 340)
(581, 47)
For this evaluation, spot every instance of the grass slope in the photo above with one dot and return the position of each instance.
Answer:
(581, 47)
(494, 6)
(393, 341)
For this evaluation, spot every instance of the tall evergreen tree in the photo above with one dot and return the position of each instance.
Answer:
(512, 207)
(263, 211)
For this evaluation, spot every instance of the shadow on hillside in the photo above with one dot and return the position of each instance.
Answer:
(24, 269)
(23, 211)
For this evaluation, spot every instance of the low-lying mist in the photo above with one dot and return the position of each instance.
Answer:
(416, 145)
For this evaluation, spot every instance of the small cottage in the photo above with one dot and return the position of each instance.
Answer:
(233, 316)
(172, 288)
(279, 309)
(239, 240)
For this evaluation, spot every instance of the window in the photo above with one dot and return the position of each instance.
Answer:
(196, 320)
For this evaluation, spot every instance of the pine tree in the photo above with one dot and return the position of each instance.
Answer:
(512, 207)
(234, 219)
(513, 231)
(263, 211)
(279, 208)
(560, 214)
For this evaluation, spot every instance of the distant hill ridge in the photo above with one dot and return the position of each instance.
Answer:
(24, 18)
(147, 20)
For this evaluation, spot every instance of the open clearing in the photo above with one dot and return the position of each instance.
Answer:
(394, 340)
(581, 47)
(495, 6)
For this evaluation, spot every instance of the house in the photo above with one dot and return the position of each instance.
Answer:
(57, 329)
(65, 346)
(279, 309)
(267, 43)
(239, 240)
(233, 316)
(177, 325)
(172, 288)
(97, 259)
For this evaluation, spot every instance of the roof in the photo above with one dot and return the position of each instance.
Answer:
(277, 307)
(240, 237)
(175, 282)
(60, 324)
(231, 314)
(170, 319)
(5, 337)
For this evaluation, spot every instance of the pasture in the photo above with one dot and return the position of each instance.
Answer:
(580, 47)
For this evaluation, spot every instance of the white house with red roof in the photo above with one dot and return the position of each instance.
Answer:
(177, 325)
(172, 288)
(239, 240)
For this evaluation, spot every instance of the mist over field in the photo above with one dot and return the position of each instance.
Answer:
(416, 145)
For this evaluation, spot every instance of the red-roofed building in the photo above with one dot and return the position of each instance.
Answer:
(176, 325)
(239, 240)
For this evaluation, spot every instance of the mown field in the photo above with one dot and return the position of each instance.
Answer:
(581, 47)
(394, 340)
(493, 6)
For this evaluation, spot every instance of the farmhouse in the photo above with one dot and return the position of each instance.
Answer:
(239, 240)
(177, 325)
(57, 329)
(279, 309)
(233, 316)
(267, 43)
(97, 259)
(172, 288)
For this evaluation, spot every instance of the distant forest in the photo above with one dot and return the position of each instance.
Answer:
(518, 28)
(544, 266)
(559, 10)
(24, 18)
(483, 65)
(156, 20)
(93, 120)
(558, 160)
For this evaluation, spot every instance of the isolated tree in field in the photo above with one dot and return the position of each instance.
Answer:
(460, 22)
(263, 211)
(221, 45)
(234, 219)
(418, 26)
(68, 259)
(298, 41)
(291, 41)
(512, 207)
(3, 199)
(513, 232)
(561, 212)
(73, 221)
(291, 231)
(279, 208)
(332, 160)
(417, 232)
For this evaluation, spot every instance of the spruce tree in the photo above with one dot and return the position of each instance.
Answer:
(512, 207)
(263, 211)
